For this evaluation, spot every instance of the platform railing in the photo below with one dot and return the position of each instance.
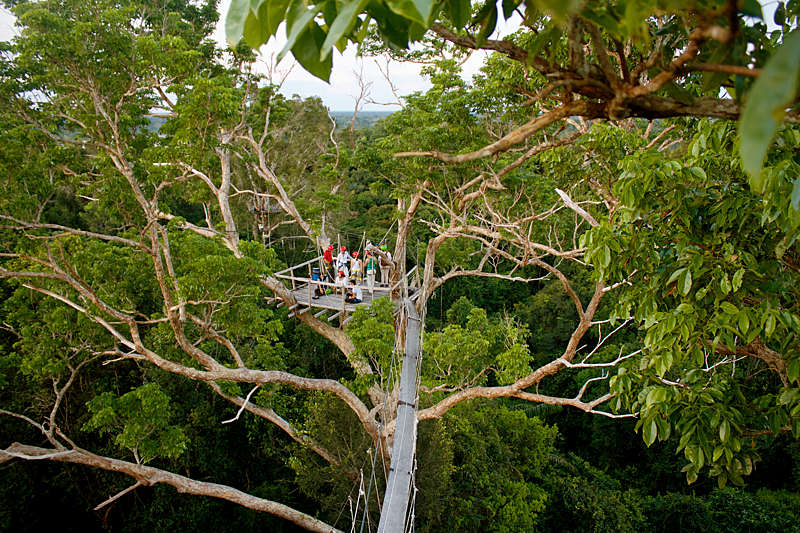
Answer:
(294, 275)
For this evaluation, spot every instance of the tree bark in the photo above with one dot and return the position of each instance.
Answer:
(148, 475)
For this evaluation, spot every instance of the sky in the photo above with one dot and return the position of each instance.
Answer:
(341, 93)
(344, 86)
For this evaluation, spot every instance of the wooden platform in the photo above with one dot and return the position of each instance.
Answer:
(300, 283)
(335, 302)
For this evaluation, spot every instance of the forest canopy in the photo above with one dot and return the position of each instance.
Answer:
(604, 227)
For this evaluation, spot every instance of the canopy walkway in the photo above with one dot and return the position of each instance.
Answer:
(397, 511)
(302, 283)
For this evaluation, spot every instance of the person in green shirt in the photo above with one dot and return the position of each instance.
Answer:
(370, 267)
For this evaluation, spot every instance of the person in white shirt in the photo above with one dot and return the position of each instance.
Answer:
(370, 266)
(355, 268)
(342, 282)
(343, 259)
(354, 294)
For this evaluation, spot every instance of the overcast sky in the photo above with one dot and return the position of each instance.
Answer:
(344, 87)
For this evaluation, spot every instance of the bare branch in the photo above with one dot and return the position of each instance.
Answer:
(118, 495)
(577, 208)
(148, 475)
(242, 408)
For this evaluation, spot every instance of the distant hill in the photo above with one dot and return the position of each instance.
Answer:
(365, 119)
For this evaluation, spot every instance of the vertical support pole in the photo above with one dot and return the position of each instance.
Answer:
(309, 284)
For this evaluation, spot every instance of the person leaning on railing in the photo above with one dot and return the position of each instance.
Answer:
(385, 262)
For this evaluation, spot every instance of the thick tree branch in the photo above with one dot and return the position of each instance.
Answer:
(578, 107)
(148, 475)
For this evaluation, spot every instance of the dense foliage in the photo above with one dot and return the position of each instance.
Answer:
(591, 280)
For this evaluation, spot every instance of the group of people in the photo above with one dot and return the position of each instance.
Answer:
(347, 272)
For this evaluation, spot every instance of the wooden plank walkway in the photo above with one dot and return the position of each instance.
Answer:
(394, 513)
(300, 284)
(335, 302)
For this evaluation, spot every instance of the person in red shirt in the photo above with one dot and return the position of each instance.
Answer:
(327, 257)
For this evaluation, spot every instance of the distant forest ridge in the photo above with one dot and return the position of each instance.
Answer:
(364, 119)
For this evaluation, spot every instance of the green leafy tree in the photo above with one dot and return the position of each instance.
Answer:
(152, 272)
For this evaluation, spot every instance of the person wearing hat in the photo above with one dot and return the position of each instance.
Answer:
(327, 259)
(343, 260)
(355, 268)
(385, 263)
(342, 282)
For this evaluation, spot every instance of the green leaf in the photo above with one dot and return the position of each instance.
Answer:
(796, 194)
(751, 8)
(418, 11)
(656, 395)
(675, 275)
(769, 324)
(459, 11)
(559, 10)
(698, 173)
(737, 279)
(306, 51)
(725, 284)
(605, 256)
(793, 371)
(487, 26)
(272, 13)
(779, 17)
(238, 12)
(650, 432)
(718, 451)
(744, 322)
(687, 283)
(772, 92)
(724, 433)
(729, 308)
(509, 6)
(344, 22)
(297, 21)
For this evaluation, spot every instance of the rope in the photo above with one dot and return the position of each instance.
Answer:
(358, 501)
(372, 478)
(349, 499)
(408, 527)
(369, 485)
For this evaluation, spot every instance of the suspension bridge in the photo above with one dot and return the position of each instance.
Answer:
(303, 280)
